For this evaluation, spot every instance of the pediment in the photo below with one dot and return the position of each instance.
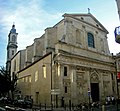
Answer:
(89, 19)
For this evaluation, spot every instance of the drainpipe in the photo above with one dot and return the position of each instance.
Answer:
(51, 78)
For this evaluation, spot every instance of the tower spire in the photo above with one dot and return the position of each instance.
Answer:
(13, 30)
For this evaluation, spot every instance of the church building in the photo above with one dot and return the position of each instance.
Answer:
(69, 64)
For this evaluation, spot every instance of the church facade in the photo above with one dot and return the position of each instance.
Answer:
(69, 64)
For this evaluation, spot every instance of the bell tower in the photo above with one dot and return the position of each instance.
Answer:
(11, 47)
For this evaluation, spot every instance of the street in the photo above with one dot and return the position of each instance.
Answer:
(102, 108)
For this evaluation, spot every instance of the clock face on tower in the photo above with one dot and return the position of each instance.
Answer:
(13, 38)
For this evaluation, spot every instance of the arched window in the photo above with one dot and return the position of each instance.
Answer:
(91, 40)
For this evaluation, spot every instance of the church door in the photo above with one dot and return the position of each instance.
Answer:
(95, 92)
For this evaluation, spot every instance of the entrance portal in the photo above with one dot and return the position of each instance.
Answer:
(95, 92)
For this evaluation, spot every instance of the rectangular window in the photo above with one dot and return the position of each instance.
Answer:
(36, 76)
(65, 89)
(44, 71)
(65, 71)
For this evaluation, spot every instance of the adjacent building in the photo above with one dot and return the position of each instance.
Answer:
(68, 64)
(118, 6)
(117, 57)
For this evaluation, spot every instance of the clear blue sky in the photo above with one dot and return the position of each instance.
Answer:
(31, 17)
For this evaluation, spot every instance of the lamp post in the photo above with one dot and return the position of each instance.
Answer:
(117, 34)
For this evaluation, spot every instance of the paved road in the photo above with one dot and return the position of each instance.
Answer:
(17, 109)
(107, 108)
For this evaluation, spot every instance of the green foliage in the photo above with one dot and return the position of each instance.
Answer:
(5, 81)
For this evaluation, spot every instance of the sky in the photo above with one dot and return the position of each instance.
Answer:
(32, 17)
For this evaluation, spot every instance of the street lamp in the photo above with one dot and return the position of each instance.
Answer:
(117, 34)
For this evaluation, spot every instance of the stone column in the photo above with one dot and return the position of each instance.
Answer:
(101, 88)
(73, 85)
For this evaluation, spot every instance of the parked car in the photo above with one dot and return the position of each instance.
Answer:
(23, 103)
(28, 103)
(6, 100)
(19, 102)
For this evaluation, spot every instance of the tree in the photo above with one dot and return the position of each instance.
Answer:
(6, 84)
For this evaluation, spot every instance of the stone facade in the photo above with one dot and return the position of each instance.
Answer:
(80, 62)
(117, 63)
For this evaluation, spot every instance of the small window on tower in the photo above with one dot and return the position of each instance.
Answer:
(13, 38)
(12, 52)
